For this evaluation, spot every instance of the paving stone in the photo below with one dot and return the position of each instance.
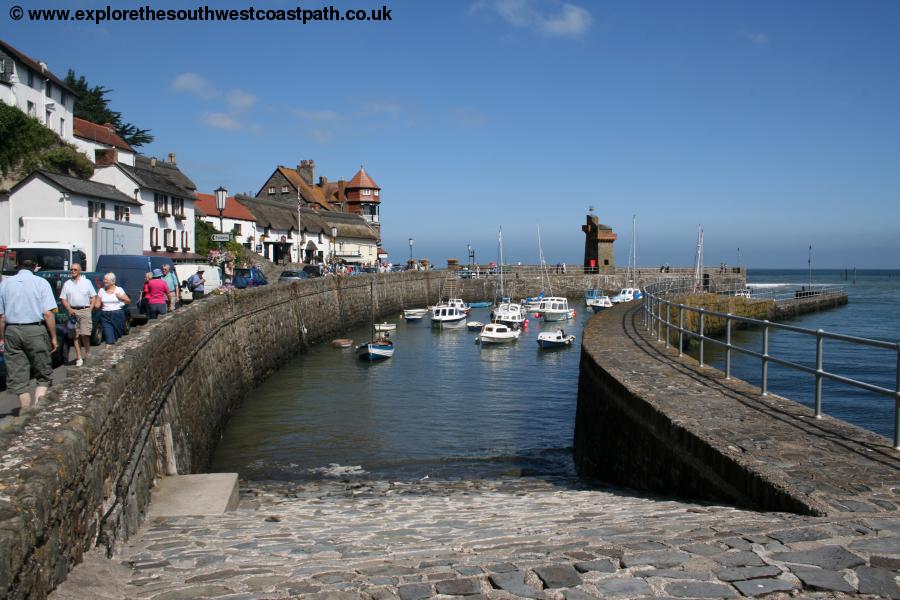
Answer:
(759, 587)
(466, 571)
(660, 560)
(820, 579)
(458, 587)
(827, 557)
(502, 568)
(703, 549)
(738, 558)
(885, 562)
(197, 591)
(676, 574)
(884, 524)
(382, 594)
(149, 564)
(414, 591)
(580, 555)
(514, 583)
(558, 576)
(601, 566)
(391, 570)
(214, 576)
(744, 573)
(335, 596)
(878, 582)
(263, 582)
(803, 534)
(621, 586)
(700, 589)
(644, 546)
(577, 594)
(885, 545)
(737, 543)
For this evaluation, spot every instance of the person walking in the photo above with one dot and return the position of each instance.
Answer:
(26, 318)
(77, 297)
(158, 295)
(111, 301)
(171, 280)
(196, 283)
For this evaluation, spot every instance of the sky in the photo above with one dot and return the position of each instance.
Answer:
(773, 125)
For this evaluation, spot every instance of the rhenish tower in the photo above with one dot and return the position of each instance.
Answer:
(598, 246)
(364, 198)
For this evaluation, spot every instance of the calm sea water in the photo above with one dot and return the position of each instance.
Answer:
(873, 311)
(445, 407)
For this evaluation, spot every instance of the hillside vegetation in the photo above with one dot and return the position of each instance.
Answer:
(26, 145)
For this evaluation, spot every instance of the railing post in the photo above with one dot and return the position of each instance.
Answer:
(659, 320)
(668, 318)
(728, 346)
(820, 344)
(702, 315)
(897, 404)
(764, 384)
(680, 329)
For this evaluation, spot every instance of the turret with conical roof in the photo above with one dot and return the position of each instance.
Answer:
(364, 197)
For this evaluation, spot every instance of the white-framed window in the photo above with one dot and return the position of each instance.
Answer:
(284, 189)
(62, 126)
(49, 89)
(376, 192)
(185, 241)
(48, 119)
(96, 210)
(63, 98)
(122, 213)
(160, 203)
(30, 78)
(367, 192)
(320, 237)
(272, 189)
(32, 110)
(236, 229)
(154, 237)
(169, 238)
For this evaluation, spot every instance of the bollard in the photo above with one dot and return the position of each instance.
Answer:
(820, 343)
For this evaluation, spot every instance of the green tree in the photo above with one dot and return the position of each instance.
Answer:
(26, 145)
(92, 105)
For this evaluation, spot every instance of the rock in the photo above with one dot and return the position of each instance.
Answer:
(458, 587)
(759, 587)
(744, 573)
(197, 591)
(878, 582)
(622, 586)
(739, 558)
(827, 557)
(661, 560)
(558, 576)
(577, 595)
(514, 583)
(820, 579)
(699, 589)
(803, 534)
(601, 566)
(414, 591)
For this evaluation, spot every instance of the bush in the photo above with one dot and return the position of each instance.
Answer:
(26, 145)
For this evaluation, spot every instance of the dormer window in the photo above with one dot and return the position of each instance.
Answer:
(272, 190)
(284, 189)
(376, 192)
(367, 192)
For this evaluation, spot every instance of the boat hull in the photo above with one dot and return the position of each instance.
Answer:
(373, 352)
(551, 316)
(448, 323)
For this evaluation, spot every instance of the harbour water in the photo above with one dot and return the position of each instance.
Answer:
(444, 407)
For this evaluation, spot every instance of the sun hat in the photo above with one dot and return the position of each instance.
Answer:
(157, 273)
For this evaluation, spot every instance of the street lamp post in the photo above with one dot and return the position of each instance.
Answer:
(410, 251)
(333, 247)
(809, 266)
(471, 254)
(221, 197)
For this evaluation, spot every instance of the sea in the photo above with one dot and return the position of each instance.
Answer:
(446, 407)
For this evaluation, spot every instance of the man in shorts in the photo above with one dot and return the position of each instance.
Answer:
(77, 296)
(26, 318)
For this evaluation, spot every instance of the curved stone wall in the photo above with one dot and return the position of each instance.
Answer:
(78, 472)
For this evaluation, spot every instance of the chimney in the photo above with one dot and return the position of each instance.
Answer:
(342, 187)
(323, 181)
(306, 169)
(104, 158)
(171, 160)
(152, 162)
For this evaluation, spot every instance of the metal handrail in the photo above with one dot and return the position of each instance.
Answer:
(654, 321)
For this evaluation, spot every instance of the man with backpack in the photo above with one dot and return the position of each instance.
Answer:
(196, 283)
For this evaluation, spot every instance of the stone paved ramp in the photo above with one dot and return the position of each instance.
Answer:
(531, 538)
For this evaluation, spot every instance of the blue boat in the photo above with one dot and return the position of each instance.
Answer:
(482, 304)
(379, 349)
(554, 339)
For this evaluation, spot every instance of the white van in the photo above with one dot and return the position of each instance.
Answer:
(213, 276)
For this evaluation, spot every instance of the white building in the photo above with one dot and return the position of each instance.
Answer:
(277, 235)
(102, 144)
(167, 203)
(49, 210)
(236, 219)
(356, 241)
(29, 84)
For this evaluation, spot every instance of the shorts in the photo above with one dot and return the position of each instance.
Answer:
(83, 321)
(27, 350)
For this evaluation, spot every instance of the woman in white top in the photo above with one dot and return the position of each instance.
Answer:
(111, 301)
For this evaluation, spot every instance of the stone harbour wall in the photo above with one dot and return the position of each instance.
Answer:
(78, 472)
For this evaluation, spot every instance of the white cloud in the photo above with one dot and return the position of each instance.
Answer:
(195, 85)
(548, 17)
(756, 38)
(318, 116)
(465, 116)
(240, 100)
(222, 121)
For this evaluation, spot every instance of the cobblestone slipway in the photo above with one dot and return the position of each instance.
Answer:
(530, 538)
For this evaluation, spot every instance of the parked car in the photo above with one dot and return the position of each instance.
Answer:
(313, 270)
(252, 277)
(292, 276)
(130, 270)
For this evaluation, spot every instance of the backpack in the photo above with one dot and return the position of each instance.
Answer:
(194, 283)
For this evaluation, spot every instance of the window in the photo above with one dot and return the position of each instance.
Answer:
(154, 237)
(284, 189)
(236, 229)
(376, 192)
(62, 127)
(367, 192)
(161, 204)
(178, 207)
(122, 213)
(169, 238)
(30, 78)
(96, 210)
(63, 98)
(32, 111)
(272, 190)
(185, 241)
(49, 89)
(48, 118)
(320, 237)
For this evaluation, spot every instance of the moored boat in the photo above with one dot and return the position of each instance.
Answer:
(556, 309)
(480, 304)
(342, 343)
(554, 339)
(385, 326)
(509, 314)
(474, 325)
(497, 333)
(415, 314)
(377, 349)
(443, 315)
(599, 303)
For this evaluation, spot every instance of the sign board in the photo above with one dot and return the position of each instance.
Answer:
(221, 237)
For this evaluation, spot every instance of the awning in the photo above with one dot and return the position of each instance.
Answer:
(177, 256)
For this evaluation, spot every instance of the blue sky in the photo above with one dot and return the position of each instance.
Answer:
(775, 125)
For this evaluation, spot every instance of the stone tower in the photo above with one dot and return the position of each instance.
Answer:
(598, 246)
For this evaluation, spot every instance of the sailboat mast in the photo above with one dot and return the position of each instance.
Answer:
(501, 264)
(541, 251)
(372, 303)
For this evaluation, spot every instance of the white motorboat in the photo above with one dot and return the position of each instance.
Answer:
(599, 303)
(556, 309)
(458, 303)
(385, 326)
(497, 333)
(415, 314)
(626, 295)
(509, 313)
(554, 339)
(443, 316)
